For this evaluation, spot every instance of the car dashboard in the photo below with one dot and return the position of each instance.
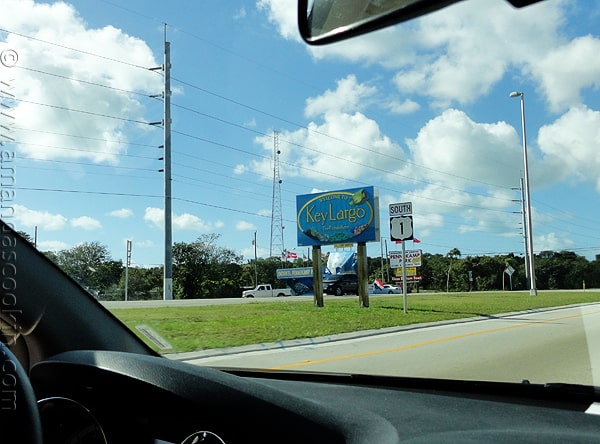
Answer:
(118, 397)
(145, 399)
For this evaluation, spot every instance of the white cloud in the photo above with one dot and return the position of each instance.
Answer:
(439, 207)
(461, 174)
(44, 220)
(407, 106)
(240, 14)
(349, 96)
(570, 145)
(264, 212)
(453, 143)
(248, 252)
(188, 221)
(564, 71)
(243, 225)
(73, 85)
(466, 49)
(85, 223)
(341, 143)
(145, 244)
(457, 54)
(122, 213)
(250, 123)
(155, 216)
(343, 147)
(282, 16)
(391, 47)
(427, 223)
(50, 245)
(185, 221)
(551, 242)
(240, 169)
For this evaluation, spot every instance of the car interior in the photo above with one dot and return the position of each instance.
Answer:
(71, 372)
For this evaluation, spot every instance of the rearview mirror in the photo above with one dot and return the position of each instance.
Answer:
(326, 21)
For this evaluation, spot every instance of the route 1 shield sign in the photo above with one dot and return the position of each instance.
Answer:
(401, 228)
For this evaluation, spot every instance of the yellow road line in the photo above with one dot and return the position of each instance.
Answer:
(425, 343)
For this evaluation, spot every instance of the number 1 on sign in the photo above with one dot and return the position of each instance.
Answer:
(401, 228)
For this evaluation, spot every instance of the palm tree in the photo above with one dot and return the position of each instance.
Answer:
(454, 253)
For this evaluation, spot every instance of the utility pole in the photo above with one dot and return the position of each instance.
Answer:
(524, 224)
(525, 234)
(387, 263)
(381, 247)
(363, 275)
(127, 264)
(168, 272)
(166, 170)
(255, 261)
(531, 257)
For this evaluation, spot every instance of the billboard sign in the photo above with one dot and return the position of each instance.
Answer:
(413, 258)
(334, 217)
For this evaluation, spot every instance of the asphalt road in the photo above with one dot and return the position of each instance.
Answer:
(197, 302)
(558, 345)
(223, 301)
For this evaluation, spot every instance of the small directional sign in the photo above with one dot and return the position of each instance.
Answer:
(400, 209)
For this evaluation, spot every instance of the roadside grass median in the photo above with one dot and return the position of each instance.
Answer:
(193, 328)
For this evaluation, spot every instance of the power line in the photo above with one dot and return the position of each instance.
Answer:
(83, 151)
(87, 82)
(77, 136)
(93, 173)
(86, 164)
(91, 113)
(152, 196)
(100, 193)
(35, 39)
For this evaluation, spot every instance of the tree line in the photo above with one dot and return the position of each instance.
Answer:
(203, 269)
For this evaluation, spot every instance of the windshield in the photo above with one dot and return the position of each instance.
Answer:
(203, 172)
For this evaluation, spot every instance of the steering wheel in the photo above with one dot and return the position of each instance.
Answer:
(19, 415)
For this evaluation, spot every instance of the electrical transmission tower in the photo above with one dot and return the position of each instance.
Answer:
(276, 247)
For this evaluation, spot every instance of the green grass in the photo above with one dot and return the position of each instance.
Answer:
(217, 326)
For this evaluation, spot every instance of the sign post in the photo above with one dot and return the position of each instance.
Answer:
(404, 292)
(509, 271)
(401, 230)
(317, 276)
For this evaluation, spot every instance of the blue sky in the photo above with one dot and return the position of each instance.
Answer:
(420, 111)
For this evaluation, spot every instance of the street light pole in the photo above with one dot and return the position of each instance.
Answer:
(532, 288)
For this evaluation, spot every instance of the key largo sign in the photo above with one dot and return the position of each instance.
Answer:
(334, 217)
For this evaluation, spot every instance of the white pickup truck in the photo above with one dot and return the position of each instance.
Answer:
(266, 291)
